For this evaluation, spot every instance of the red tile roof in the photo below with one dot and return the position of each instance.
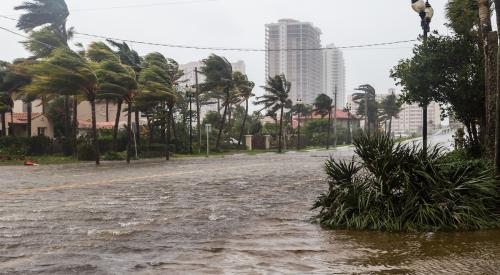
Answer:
(22, 118)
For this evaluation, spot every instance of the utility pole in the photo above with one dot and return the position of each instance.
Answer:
(190, 95)
(198, 110)
(335, 119)
(298, 118)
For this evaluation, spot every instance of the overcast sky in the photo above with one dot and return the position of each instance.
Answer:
(240, 24)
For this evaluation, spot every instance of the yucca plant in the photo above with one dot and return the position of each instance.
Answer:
(399, 187)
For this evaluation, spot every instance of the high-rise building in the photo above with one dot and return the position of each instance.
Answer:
(293, 49)
(333, 74)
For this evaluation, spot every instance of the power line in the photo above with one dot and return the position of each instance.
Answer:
(168, 45)
(27, 37)
(144, 5)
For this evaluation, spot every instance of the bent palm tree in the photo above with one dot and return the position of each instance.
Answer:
(244, 89)
(323, 105)
(390, 109)
(366, 98)
(276, 98)
(65, 70)
(219, 78)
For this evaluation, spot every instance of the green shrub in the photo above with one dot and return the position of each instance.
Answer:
(111, 155)
(86, 152)
(40, 145)
(396, 187)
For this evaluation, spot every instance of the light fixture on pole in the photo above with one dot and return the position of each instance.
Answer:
(426, 12)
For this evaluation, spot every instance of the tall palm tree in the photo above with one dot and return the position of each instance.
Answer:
(131, 58)
(67, 70)
(115, 80)
(243, 93)
(219, 78)
(366, 97)
(323, 105)
(276, 98)
(390, 108)
(156, 86)
(53, 15)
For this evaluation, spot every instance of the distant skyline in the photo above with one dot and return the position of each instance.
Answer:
(241, 24)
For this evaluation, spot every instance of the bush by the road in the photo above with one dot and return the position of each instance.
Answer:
(397, 187)
(86, 152)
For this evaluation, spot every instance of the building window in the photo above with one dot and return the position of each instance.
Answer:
(41, 131)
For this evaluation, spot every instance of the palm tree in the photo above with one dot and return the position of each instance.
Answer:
(366, 98)
(66, 70)
(131, 58)
(323, 105)
(115, 80)
(52, 13)
(390, 108)
(276, 98)
(156, 86)
(219, 78)
(242, 93)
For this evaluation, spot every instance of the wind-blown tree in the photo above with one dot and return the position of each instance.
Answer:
(6, 102)
(65, 70)
(155, 86)
(131, 58)
(368, 106)
(115, 79)
(243, 93)
(323, 105)
(277, 97)
(219, 78)
(52, 15)
(390, 108)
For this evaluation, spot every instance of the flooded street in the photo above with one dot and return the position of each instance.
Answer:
(238, 214)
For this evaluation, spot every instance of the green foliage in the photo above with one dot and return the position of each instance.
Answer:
(40, 146)
(323, 104)
(86, 152)
(396, 187)
(112, 156)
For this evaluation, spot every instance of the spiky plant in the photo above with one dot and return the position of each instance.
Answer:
(396, 187)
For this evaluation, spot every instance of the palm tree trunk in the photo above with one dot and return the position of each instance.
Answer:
(137, 128)
(129, 130)
(167, 145)
(107, 109)
(328, 129)
(75, 123)
(172, 121)
(497, 113)
(243, 124)
(94, 133)
(390, 127)
(117, 123)
(151, 129)
(66, 117)
(30, 114)
(223, 121)
(4, 129)
(280, 141)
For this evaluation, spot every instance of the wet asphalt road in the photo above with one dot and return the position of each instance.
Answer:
(237, 214)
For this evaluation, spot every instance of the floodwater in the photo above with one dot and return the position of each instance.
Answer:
(238, 214)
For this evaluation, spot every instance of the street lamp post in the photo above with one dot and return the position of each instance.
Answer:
(299, 106)
(426, 12)
(190, 96)
(348, 109)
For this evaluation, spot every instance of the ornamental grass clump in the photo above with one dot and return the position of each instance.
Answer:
(399, 187)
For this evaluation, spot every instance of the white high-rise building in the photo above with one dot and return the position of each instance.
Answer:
(293, 49)
(333, 74)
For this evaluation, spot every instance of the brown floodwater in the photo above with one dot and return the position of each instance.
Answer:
(238, 214)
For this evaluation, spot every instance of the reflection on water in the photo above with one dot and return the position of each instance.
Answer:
(233, 215)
